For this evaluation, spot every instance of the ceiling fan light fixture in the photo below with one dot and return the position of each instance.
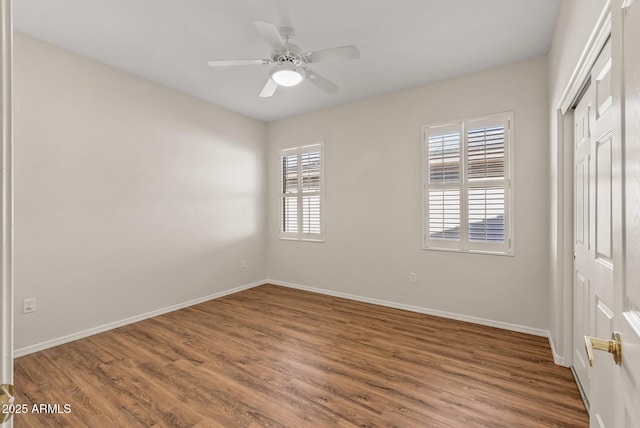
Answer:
(287, 75)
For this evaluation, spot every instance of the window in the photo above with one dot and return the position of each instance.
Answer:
(301, 193)
(467, 185)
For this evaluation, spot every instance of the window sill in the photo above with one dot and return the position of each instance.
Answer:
(284, 238)
(481, 252)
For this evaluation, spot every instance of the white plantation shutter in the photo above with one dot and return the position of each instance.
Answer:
(310, 169)
(444, 173)
(290, 215)
(467, 185)
(486, 214)
(311, 214)
(289, 191)
(444, 214)
(485, 152)
(302, 193)
(487, 183)
(444, 156)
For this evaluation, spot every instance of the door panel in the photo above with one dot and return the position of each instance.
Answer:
(603, 412)
(602, 388)
(581, 323)
(602, 77)
(582, 202)
(603, 199)
(628, 290)
(593, 284)
(582, 249)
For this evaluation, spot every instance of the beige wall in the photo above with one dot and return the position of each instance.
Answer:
(373, 201)
(129, 197)
(574, 25)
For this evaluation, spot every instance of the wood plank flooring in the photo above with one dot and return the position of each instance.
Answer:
(274, 357)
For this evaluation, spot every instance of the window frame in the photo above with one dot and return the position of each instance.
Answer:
(464, 185)
(299, 194)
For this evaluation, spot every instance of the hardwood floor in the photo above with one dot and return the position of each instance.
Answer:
(272, 356)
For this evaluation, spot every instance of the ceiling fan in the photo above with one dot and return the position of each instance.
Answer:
(290, 61)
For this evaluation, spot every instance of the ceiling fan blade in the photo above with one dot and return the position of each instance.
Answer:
(333, 54)
(269, 89)
(271, 33)
(230, 62)
(322, 83)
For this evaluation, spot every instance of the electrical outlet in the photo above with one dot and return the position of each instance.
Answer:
(412, 277)
(243, 264)
(29, 305)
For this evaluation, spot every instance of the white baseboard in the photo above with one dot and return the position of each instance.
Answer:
(110, 326)
(557, 358)
(581, 390)
(435, 312)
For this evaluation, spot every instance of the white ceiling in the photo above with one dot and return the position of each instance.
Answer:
(403, 43)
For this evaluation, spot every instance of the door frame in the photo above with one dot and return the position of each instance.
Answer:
(6, 198)
(563, 275)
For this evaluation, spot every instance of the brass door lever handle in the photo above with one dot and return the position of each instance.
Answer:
(613, 346)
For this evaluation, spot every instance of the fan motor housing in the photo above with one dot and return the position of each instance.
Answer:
(294, 55)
